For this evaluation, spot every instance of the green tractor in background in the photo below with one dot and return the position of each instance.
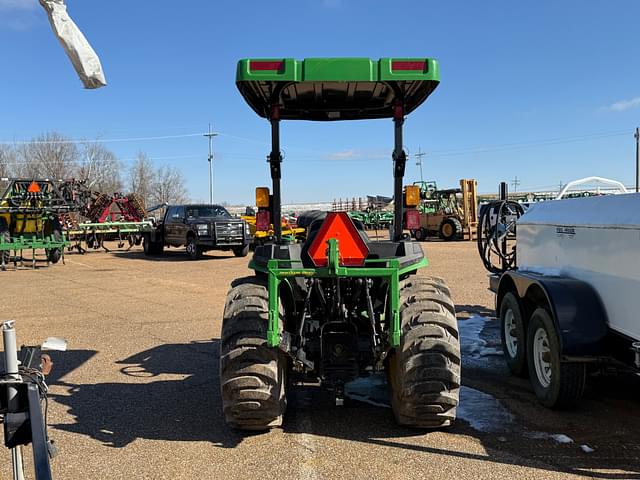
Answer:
(338, 306)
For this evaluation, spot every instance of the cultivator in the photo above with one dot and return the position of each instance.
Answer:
(101, 217)
(29, 210)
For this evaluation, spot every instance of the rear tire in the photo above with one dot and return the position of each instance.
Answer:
(424, 371)
(420, 234)
(252, 374)
(514, 335)
(450, 229)
(556, 384)
(54, 229)
(152, 248)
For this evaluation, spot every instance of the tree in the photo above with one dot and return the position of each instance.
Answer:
(50, 155)
(7, 160)
(141, 178)
(169, 186)
(99, 168)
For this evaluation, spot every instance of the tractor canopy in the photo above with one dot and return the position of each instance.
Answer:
(328, 89)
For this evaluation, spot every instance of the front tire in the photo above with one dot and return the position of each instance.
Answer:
(424, 371)
(514, 335)
(557, 384)
(241, 251)
(193, 249)
(252, 374)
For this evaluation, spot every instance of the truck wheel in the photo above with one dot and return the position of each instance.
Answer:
(252, 374)
(241, 251)
(450, 229)
(5, 237)
(556, 384)
(193, 250)
(420, 234)
(424, 371)
(514, 340)
(152, 248)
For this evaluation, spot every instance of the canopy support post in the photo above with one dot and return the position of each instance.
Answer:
(399, 162)
(275, 160)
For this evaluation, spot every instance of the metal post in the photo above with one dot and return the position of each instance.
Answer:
(210, 135)
(275, 159)
(420, 154)
(504, 196)
(637, 135)
(11, 367)
(399, 162)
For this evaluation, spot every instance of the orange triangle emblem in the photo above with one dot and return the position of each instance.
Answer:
(353, 250)
(34, 187)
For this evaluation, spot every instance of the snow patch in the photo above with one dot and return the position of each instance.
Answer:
(484, 412)
(470, 342)
(557, 437)
(372, 390)
(587, 449)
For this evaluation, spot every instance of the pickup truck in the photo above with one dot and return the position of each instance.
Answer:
(199, 228)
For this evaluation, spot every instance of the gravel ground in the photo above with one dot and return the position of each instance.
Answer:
(136, 396)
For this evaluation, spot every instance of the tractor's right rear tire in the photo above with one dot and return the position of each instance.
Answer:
(424, 371)
(450, 229)
(252, 374)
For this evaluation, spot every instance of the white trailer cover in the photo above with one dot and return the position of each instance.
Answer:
(82, 56)
(593, 239)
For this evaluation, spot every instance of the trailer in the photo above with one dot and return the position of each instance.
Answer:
(566, 289)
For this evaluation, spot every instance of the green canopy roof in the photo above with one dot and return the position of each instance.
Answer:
(328, 89)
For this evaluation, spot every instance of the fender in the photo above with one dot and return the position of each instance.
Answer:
(577, 311)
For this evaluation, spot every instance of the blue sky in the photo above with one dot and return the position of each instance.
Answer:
(546, 91)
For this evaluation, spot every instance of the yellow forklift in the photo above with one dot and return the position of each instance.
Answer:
(451, 214)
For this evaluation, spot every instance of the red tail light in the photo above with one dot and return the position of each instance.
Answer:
(261, 65)
(405, 65)
(263, 221)
(412, 220)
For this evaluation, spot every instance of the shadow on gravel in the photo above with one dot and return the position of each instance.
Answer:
(173, 256)
(169, 392)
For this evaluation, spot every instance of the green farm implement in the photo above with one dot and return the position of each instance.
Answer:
(338, 306)
(29, 211)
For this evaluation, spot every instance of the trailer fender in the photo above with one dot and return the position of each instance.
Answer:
(577, 311)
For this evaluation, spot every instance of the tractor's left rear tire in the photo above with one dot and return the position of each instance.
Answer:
(252, 374)
(424, 371)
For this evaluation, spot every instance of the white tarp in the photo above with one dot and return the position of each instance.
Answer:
(82, 56)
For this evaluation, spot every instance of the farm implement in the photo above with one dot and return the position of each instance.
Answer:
(29, 210)
(338, 306)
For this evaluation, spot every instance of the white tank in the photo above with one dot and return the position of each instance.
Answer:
(593, 239)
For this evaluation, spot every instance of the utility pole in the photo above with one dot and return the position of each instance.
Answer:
(210, 135)
(637, 135)
(515, 182)
(420, 154)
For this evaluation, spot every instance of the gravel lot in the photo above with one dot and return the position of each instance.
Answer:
(136, 396)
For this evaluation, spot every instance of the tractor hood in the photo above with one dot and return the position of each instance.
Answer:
(329, 89)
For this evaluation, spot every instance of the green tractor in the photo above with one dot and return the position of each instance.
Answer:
(338, 306)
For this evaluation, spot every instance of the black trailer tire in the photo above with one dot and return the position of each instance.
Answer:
(194, 251)
(556, 384)
(241, 251)
(514, 335)
(253, 376)
(5, 234)
(424, 371)
(450, 229)
(54, 229)
(420, 234)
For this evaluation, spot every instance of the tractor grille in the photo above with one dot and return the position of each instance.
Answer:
(229, 232)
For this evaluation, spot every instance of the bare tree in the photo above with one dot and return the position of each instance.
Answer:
(7, 160)
(99, 168)
(50, 156)
(169, 186)
(141, 177)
